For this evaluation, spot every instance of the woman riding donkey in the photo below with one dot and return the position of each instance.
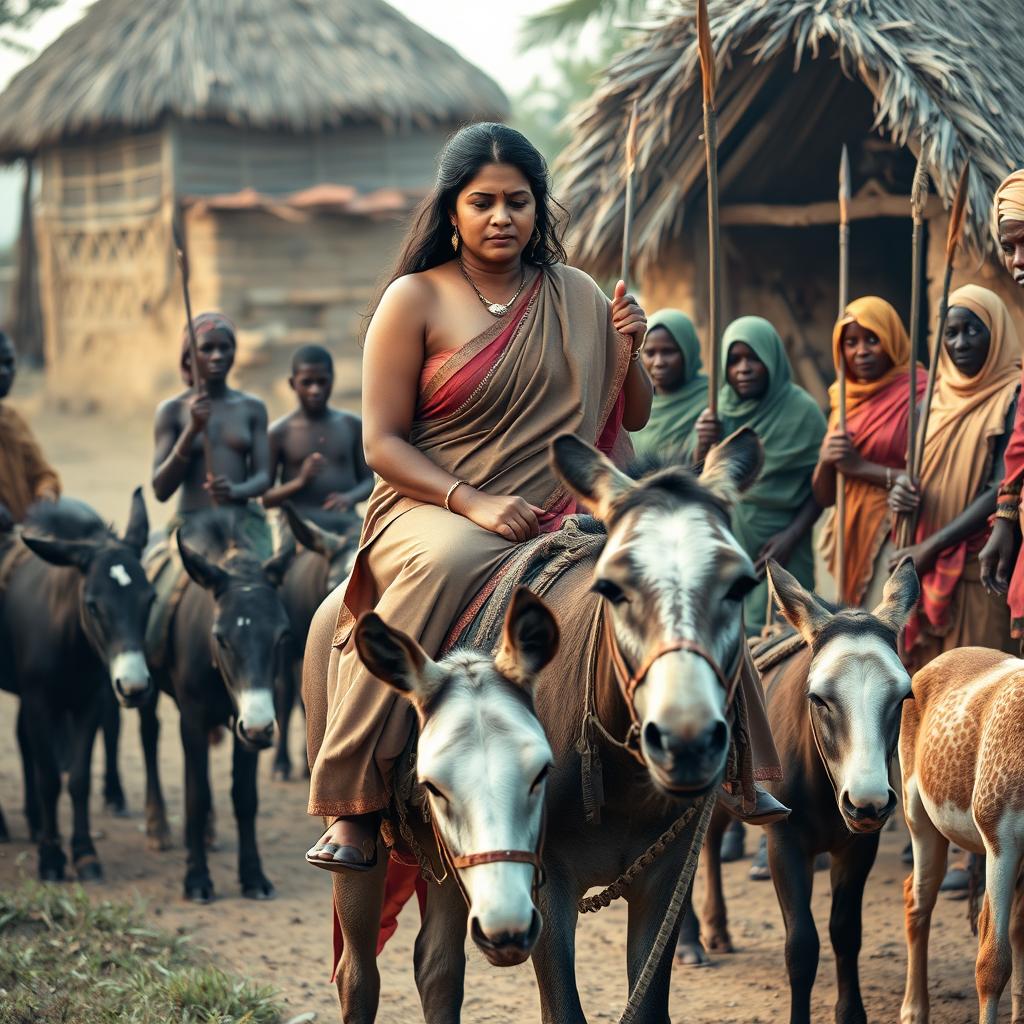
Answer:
(972, 413)
(457, 432)
(873, 343)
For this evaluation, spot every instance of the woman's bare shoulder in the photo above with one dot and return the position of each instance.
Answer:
(411, 292)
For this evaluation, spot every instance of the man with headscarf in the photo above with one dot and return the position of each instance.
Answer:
(997, 556)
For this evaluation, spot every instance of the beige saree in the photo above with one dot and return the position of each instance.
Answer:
(552, 364)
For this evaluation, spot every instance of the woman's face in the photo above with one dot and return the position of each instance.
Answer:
(216, 351)
(663, 360)
(967, 341)
(495, 214)
(865, 360)
(746, 374)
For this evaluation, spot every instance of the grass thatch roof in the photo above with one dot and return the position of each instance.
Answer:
(293, 65)
(945, 77)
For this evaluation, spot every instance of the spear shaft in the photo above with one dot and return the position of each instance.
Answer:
(627, 221)
(193, 345)
(957, 217)
(844, 299)
(918, 198)
(707, 70)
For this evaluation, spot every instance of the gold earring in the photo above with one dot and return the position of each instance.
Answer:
(455, 239)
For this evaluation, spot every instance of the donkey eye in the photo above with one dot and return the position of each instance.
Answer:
(433, 790)
(817, 702)
(609, 591)
(542, 777)
(740, 588)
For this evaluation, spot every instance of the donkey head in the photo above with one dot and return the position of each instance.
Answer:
(483, 760)
(338, 549)
(675, 578)
(856, 686)
(115, 595)
(250, 632)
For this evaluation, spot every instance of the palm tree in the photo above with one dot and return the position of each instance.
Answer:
(565, 18)
(18, 15)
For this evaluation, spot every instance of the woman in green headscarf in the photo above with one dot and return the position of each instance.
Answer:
(671, 356)
(775, 517)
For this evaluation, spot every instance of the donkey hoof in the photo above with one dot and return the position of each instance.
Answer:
(158, 840)
(118, 808)
(281, 771)
(691, 954)
(718, 942)
(88, 869)
(199, 891)
(259, 889)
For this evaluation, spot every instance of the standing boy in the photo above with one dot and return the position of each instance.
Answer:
(317, 450)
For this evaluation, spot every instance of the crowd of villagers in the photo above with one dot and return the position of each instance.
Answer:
(965, 501)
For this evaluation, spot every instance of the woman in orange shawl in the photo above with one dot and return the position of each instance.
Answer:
(872, 340)
(969, 424)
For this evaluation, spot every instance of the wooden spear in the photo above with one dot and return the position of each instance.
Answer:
(844, 299)
(918, 198)
(627, 222)
(957, 217)
(193, 347)
(707, 71)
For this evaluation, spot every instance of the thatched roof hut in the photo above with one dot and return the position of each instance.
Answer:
(797, 80)
(294, 135)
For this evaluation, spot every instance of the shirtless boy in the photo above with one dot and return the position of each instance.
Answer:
(317, 450)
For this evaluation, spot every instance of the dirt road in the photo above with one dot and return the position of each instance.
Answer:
(287, 942)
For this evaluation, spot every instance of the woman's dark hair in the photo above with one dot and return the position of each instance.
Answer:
(428, 242)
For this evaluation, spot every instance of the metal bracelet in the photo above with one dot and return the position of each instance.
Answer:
(451, 491)
(1004, 512)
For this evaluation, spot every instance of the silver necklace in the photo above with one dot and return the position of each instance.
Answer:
(494, 308)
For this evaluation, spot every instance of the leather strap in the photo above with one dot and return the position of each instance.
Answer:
(471, 860)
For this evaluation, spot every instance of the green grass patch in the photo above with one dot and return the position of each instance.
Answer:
(66, 960)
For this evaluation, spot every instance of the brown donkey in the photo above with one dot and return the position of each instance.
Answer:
(963, 782)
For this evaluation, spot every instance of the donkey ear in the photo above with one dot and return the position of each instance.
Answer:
(394, 658)
(588, 474)
(799, 606)
(529, 640)
(74, 553)
(311, 537)
(275, 567)
(137, 533)
(732, 466)
(899, 596)
(208, 575)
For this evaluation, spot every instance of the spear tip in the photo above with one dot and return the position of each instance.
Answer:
(957, 213)
(706, 52)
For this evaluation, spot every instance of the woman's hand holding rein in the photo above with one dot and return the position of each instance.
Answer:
(504, 514)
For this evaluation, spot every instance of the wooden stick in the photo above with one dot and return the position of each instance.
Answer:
(627, 222)
(707, 71)
(957, 217)
(844, 299)
(193, 346)
(918, 198)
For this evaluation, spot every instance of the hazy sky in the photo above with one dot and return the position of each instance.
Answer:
(483, 31)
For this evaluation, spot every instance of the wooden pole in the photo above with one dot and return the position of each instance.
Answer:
(918, 198)
(956, 223)
(193, 347)
(707, 71)
(844, 300)
(627, 221)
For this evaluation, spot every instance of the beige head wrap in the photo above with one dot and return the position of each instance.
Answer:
(1008, 202)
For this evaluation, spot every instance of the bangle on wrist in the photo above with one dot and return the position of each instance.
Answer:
(1007, 511)
(451, 491)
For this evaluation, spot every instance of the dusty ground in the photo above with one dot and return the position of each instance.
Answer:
(287, 942)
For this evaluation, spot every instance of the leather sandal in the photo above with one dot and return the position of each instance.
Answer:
(767, 810)
(360, 856)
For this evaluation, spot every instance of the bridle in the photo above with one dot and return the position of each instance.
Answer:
(472, 860)
(629, 682)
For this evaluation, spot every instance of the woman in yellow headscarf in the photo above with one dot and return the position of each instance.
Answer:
(969, 424)
(872, 340)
